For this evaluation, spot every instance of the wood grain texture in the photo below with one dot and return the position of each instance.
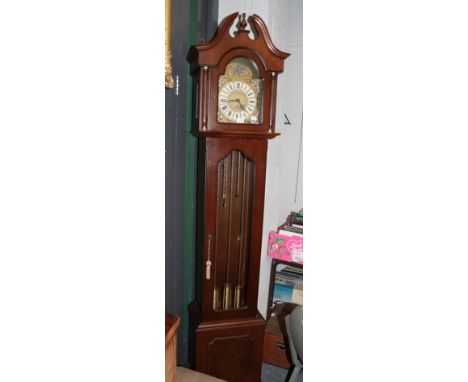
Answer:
(231, 349)
(172, 323)
(274, 350)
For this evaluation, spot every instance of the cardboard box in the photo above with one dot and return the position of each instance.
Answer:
(288, 248)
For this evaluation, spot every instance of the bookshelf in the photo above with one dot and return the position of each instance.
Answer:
(275, 343)
(285, 247)
(276, 267)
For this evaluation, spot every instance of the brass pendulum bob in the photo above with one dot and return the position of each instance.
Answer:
(238, 297)
(227, 296)
(216, 298)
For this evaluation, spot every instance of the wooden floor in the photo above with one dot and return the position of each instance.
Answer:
(187, 375)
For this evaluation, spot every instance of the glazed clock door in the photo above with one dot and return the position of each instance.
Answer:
(235, 176)
(238, 94)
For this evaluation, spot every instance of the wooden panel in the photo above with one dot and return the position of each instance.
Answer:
(231, 356)
(274, 350)
(231, 350)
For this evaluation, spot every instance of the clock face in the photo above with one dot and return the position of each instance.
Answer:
(237, 102)
(240, 93)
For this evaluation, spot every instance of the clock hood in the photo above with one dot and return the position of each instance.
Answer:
(209, 54)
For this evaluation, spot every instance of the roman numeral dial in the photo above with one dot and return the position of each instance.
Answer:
(237, 103)
(240, 93)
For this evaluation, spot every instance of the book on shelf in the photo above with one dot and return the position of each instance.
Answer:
(289, 233)
(298, 213)
(288, 292)
(292, 270)
(295, 219)
(285, 279)
(282, 293)
(297, 296)
(290, 230)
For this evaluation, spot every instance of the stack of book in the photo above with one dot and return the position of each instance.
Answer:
(286, 243)
(288, 285)
(293, 225)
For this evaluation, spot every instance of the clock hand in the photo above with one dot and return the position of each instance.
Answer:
(241, 105)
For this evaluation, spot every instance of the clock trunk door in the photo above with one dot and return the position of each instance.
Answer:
(235, 176)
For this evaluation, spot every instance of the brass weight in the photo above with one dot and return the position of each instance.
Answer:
(238, 297)
(216, 298)
(227, 296)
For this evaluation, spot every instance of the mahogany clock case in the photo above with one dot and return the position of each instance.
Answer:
(226, 327)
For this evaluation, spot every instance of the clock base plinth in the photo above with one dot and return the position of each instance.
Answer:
(230, 349)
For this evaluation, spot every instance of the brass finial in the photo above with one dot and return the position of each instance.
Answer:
(243, 22)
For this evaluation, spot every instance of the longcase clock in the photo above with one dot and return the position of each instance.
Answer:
(235, 80)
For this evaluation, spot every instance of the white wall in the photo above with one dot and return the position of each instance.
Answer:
(283, 191)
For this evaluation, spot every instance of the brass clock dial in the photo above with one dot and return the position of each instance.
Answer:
(238, 102)
(239, 94)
